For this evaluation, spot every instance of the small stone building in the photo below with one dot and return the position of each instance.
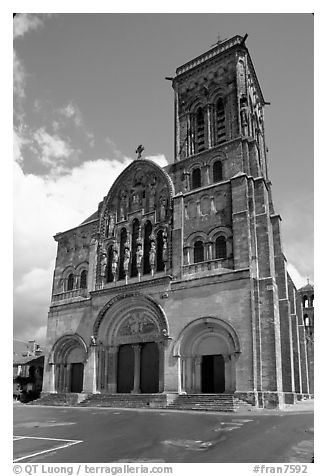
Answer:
(178, 282)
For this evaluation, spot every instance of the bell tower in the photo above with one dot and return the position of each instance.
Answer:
(218, 100)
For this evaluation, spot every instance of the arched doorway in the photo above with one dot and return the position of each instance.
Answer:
(69, 356)
(133, 329)
(207, 350)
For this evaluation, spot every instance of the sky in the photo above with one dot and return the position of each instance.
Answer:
(89, 88)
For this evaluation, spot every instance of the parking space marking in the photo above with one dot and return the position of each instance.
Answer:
(55, 448)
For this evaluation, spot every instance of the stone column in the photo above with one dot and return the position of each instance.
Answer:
(137, 368)
(90, 372)
(68, 370)
(161, 348)
(52, 386)
(179, 374)
(112, 355)
(197, 374)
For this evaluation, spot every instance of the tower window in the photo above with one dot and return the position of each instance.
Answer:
(70, 282)
(200, 130)
(305, 301)
(83, 280)
(198, 252)
(221, 247)
(221, 132)
(196, 178)
(217, 171)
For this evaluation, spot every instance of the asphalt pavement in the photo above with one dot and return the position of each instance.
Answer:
(103, 435)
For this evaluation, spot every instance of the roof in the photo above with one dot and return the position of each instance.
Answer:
(308, 287)
(92, 217)
(19, 360)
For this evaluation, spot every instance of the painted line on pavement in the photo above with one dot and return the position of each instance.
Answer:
(69, 443)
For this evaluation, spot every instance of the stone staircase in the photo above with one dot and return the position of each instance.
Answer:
(126, 400)
(209, 402)
(201, 402)
(57, 399)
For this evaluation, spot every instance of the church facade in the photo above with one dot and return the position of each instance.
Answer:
(178, 282)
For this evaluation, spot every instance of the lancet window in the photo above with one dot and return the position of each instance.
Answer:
(196, 178)
(122, 241)
(220, 245)
(198, 251)
(70, 282)
(217, 171)
(147, 247)
(83, 279)
(160, 261)
(135, 234)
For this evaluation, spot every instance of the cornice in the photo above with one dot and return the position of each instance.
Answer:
(125, 288)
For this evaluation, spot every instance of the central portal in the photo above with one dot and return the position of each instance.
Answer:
(213, 374)
(138, 368)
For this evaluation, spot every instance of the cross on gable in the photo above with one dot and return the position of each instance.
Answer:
(218, 41)
(139, 151)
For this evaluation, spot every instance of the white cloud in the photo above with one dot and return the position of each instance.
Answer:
(25, 22)
(159, 159)
(52, 148)
(19, 77)
(71, 111)
(42, 207)
(296, 276)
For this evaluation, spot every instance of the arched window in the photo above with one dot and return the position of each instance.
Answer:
(198, 251)
(135, 234)
(305, 301)
(70, 282)
(311, 300)
(200, 130)
(122, 241)
(196, 178)
(221, 132)
(217, 170)
(83, 279)
(147, 247)
(160, 261)
(221, 247)
(110, 276)
(306, 320)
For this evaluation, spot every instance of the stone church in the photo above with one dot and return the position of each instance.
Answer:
(177, 284)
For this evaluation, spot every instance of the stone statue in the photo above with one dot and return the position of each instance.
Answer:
(123, 205)
(93, 341)
(111, 225)
(139, 256)
(103, 263)
(127, 255)
(114, 262)
(164, 248)
(152, 255)
(162, 210)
